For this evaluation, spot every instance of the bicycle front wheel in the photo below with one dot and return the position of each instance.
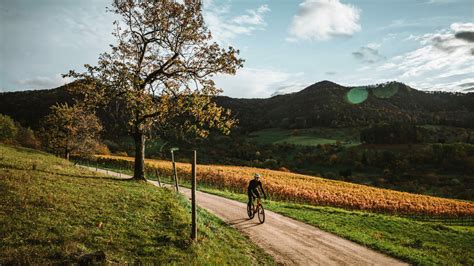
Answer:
(261, 214)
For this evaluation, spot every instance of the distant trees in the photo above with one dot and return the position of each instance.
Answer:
(161, 70)
(13, 133)
(8, 129)
(395, 133)
(70, 129)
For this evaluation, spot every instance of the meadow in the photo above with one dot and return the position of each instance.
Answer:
(52, 212)
(306, 137)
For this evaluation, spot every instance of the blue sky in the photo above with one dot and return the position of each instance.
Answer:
(287, 45)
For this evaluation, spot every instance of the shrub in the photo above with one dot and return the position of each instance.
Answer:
(8, 130)
(284, 169)
(102, 149)
(26, 137)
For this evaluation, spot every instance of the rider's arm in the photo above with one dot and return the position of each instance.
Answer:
(263, 191)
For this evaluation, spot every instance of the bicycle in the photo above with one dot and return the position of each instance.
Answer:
(252, 210)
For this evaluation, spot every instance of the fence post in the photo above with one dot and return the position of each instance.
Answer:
(193, 199)
(158, 177)
(175, 172)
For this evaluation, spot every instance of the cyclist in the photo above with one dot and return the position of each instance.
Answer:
(252, 189)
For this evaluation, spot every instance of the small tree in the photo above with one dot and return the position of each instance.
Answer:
(161, 69)
(8, 130)
(70, 129)
(27, 138)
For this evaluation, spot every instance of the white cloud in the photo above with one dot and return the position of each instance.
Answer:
(324, 19)
(442, 60)
(225, 28)
(462, 27)
(256, 82)
(42, 82)
(253, 17)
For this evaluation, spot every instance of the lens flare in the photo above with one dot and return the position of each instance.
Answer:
(357, 95)
(386, 91)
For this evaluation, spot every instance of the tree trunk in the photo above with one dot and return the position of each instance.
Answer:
(139, 170)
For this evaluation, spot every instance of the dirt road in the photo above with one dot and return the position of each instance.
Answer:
(289, 241)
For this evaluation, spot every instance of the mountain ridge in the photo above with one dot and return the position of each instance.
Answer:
(323, 103)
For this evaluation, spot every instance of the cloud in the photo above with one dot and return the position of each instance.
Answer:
(425, 22)
(225, 28)
(468, 84)
(324, 19)
(368, 54)
(42, 82)
(330, 73)
(294, 87)
(255, 82)
(441, 61)
(253, 17)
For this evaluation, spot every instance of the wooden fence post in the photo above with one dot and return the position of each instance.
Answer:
(175, 172)
(158, 177)
(193, 199)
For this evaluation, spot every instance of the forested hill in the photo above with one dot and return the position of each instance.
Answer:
(321, 104)
(329, 104)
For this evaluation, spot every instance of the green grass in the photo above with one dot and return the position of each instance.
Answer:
(306, 137)
(416, 242)
(52, 212)
(421, 243)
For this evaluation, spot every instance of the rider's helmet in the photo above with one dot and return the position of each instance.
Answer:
(256, 176)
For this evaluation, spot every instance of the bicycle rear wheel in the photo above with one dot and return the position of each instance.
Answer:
(261, 214)
(250, 212)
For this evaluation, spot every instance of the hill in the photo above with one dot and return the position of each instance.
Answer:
(323, 104)
(52, 212)
(327, 104)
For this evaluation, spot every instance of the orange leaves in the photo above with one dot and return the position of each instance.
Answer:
(318, 191)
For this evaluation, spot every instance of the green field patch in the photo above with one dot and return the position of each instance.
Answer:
(307, 137)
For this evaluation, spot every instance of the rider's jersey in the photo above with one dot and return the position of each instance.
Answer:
(253, 185)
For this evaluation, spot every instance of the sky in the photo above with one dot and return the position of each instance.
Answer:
(287, 44)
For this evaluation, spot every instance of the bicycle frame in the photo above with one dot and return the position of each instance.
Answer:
(256, 206)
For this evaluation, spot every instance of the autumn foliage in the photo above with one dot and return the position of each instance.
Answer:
(313, 190)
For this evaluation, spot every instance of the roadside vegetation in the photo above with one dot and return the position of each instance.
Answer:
(312, 190)
(417, 242)
(52, 212)
(421, 243)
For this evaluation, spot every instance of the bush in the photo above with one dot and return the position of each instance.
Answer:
(102, 149)
(26, 137)
(284, 169)
(8, 130)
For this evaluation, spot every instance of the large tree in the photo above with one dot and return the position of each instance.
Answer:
(160, 70)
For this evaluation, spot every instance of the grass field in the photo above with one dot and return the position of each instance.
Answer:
(314, 190)
(54, 213)
(421, 243)
(306, 137)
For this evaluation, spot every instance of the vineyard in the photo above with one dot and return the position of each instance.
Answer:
(313, 190)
